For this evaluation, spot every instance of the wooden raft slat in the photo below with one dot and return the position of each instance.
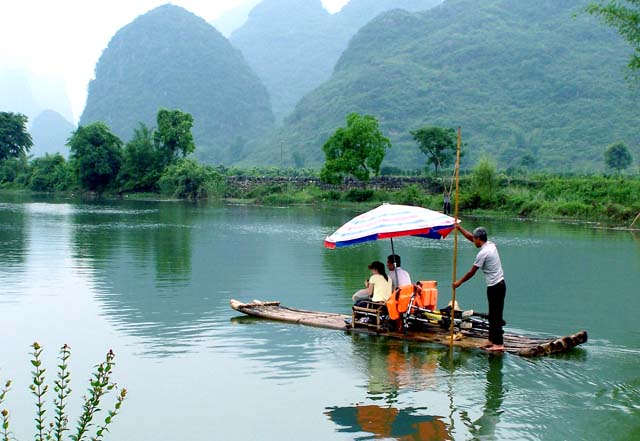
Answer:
(516, 344)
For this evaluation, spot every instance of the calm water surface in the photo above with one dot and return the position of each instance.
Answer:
(153, 280)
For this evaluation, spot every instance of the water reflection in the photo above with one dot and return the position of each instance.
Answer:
(373, 422)
(391, 368)
(13, 235)
(485, 426)
(163, 236)
(140, 259)
(284, 351)
(393, 365)
(394, 368)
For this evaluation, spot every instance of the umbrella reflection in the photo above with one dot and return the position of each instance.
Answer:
(373, 422)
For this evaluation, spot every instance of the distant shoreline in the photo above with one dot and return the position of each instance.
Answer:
(607, 201)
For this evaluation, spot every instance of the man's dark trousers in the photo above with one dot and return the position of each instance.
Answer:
(495, 296)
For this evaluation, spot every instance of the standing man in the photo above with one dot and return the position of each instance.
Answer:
(393, 265)
(446, 206)
(488, 260)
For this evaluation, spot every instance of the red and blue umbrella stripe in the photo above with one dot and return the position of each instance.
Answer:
(388, 221)
(429, 233)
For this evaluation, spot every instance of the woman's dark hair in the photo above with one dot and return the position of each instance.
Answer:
(379, 266)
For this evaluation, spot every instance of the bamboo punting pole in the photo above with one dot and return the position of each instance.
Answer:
(455, 237)
(634, 221)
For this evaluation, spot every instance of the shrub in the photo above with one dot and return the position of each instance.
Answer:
(14, 171)
(529, 207)
(332, 195)
(572, 209)
(359, 195)
(189, 180)
(413, 195)
(470, 201)
(50, 173)
(261, 191)
(484, 182)
(618, 212)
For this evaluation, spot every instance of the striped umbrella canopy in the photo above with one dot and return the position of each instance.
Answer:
(388, 221)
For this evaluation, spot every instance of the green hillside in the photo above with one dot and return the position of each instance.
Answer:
(171, 58)
(293, 45)
(518, 77)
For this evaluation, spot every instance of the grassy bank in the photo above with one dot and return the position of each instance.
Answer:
(612, 200)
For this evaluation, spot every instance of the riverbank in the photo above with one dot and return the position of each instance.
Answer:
(610, 200)
(613, 201)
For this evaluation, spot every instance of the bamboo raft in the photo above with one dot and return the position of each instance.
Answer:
(515, 344)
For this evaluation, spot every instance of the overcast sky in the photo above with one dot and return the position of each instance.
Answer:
(64, 38)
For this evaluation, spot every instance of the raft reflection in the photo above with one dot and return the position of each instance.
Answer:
(396, 367)
(392, 366)
(389, 423)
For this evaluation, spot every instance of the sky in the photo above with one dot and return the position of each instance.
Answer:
(62, 40)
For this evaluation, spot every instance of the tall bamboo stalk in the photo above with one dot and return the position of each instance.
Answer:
(455, 236)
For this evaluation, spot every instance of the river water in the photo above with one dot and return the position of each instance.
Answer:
(152, 281)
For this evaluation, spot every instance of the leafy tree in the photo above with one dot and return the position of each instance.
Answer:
(617, 156)
(173, 136)
(14, 138)
(438, 144)
(356, 150)
(50, 173)
(97, 154)
(142, 164)
(624, 15)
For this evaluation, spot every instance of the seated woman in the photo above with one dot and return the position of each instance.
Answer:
(378, 287)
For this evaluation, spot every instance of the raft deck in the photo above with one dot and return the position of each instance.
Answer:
(515, 344)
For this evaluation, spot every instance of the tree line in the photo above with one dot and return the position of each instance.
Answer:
(154, 160)
(358, 149)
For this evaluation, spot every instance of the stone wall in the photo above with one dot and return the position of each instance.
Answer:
(247, 183)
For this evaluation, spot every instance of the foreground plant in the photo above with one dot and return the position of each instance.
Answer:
(5, 412)
(100, 385)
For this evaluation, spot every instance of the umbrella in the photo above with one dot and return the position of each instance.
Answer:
(388, 221)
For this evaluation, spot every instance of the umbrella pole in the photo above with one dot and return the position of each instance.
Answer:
(395, 264)
(455, 237)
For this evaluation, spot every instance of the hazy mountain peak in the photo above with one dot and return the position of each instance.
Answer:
(293, 45)
(234, 18)
(172, 58)
(50, 132)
